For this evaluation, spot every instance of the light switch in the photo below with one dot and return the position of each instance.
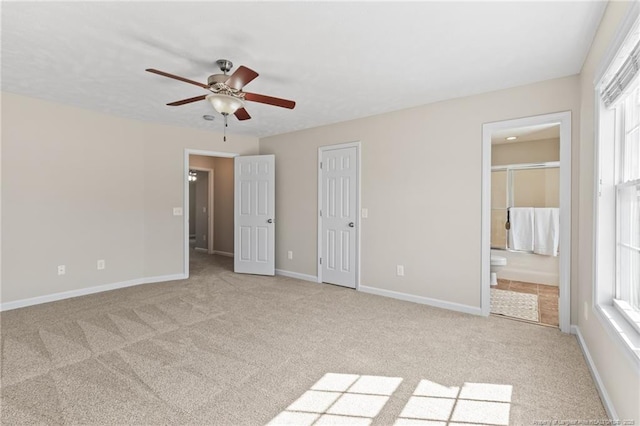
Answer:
(177, 211)
(365, 213)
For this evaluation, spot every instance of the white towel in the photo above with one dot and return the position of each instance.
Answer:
(521, 232)
(546, 231)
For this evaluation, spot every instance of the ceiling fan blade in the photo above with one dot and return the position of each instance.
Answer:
(242, 114)
(241, 77)
(269, 100)
(188, 101)
(186, 80)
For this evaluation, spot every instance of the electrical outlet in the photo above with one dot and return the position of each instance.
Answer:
(400, 270)
(101, 264)
(177, 211)
(62, 269)
(290, 255)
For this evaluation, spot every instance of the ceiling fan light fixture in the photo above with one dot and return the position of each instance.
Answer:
(225, 104)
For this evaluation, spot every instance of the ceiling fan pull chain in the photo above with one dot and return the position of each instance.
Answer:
(225, 127)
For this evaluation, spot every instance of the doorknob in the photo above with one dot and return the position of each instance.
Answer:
(269, 220)
(351, 224)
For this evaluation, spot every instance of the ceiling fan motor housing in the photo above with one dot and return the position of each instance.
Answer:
(217, 78)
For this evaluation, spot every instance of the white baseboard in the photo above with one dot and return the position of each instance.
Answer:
(201, 249)
(85, 291)
(422, 300)
(604, 395)
(223, 253)
(297, 275)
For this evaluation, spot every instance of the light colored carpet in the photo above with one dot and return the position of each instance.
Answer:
(226, 349)
(514, 304)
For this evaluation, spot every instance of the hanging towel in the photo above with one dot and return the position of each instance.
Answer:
(546, 231)
(521, 232)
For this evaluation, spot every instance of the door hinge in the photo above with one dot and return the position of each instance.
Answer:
(320, 213)
(321, 261)
(321, 164)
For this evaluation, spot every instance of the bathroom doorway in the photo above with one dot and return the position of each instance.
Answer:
(526, 196)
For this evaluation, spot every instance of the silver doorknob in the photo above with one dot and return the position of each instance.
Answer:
(269, 220)
(351, 224)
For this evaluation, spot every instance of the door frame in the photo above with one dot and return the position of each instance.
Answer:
(564, 119)
(321, 150)
(185, 198)
(210, 206)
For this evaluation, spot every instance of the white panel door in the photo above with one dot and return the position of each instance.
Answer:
(254, 229)
(339, 216)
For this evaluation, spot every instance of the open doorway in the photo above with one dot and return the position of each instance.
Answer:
(525, 226)
(201, 210)
(208, 206)
(530, 179)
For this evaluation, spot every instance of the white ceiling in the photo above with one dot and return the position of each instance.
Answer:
(337, 60)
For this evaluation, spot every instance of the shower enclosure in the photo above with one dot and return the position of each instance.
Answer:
(520, 185)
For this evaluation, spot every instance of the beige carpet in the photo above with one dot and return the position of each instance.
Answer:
(514, 304)
(226, 349)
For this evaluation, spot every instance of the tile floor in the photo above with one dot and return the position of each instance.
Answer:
(547, 298)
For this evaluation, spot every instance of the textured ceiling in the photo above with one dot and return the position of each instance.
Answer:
(338, 60)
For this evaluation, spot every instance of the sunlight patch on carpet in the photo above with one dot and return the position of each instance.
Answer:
(340, 399)
(513, 304)
(350, 399)
(473, 404)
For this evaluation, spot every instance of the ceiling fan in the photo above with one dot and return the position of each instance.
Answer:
(227, 96)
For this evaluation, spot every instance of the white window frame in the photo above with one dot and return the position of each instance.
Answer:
(619, 320)
(623, 307)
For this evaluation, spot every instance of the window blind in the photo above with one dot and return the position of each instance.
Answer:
(623, 77)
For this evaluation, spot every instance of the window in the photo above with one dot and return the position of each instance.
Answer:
(627, 294)
(618, 198)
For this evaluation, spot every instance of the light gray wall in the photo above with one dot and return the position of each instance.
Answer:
(536, 151)
(421, 182)
(78, 186)
(223, 202)
(617, 372)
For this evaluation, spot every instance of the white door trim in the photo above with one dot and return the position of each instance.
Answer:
(564, 119)
(210, 206)
(185, 199)
(321, 149)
